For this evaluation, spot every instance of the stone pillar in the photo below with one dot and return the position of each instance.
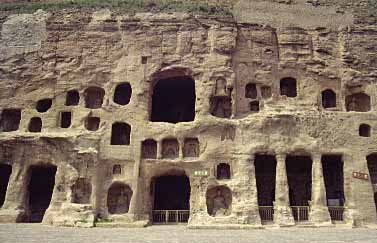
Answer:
(319, 213)
(198, 203)
(180, 148)
(282, 211)
(249, 208)
(136, 210)
(15, 207)
(159, 149)
(350, 213)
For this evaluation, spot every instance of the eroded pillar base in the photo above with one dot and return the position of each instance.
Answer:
(320, 216)
(283, 216)
(12, 216)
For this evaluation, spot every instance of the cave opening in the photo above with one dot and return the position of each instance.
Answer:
(42, 182)
(173, 100)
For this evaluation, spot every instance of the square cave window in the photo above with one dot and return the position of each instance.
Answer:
(35, 124)
(364, 130)
(328, 98)
(44, 105)
(65, 119)
(191, 147)
(73, 98)
(223, 171)
(149, 149)
(10, 120)
(94, 97)
(359, 102)
(221, 106)
(266, 92)
(254, 106)
(144, 60)
(288, 87)
(173, 100)
(170, 148)
(251, 91)
(92, 123)
(117, 169)
(122, 94)
(120, 134)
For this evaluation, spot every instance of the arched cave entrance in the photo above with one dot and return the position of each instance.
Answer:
(173, 100)
(42, 182)
(171, 199)
(119, 198)
(328, 98)
(5, 172)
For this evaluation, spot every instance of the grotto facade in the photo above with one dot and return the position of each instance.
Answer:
(131, 120)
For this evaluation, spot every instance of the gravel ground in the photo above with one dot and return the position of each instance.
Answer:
(36, 233)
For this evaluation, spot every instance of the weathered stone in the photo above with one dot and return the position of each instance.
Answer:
(226, 122)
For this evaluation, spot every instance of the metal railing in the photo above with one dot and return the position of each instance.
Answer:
(170, 216)
(300, 213)
(336, 213)
(266, 213)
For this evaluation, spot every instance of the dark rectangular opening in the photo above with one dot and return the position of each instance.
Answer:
(10, 120)
(41, 186)
(334, 181)
(65, 119)
(5, 172)
(265, 173)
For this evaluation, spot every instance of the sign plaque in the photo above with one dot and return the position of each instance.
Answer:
(201, 173)
(360, 175)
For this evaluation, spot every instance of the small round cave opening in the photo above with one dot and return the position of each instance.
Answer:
(173, 100)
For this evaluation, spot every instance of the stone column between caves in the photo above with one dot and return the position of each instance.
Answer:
(15, 206)
(319, 213)
(282, 211)
(136, 211)
(350, 214)
(198, 200)
(249, 183)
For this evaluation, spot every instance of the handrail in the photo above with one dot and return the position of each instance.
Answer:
(170, 216)
(300, 213)
(266, 213)
(336, 213)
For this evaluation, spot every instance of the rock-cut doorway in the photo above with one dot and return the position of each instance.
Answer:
(171, 199)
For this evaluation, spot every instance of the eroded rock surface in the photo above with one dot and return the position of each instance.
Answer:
(119, 118)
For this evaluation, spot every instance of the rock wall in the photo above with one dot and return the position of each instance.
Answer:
(258, 90)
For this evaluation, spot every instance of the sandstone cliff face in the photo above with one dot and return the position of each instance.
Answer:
(283, 88)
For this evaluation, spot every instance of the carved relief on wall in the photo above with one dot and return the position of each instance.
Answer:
(118, 198)
(170, 148)
(219, 200)
(243, 73)
(358, 102)
(221, 101)
(81, 191)
(223, 171)
(220, 88)
(149, 149)
(228, 133)
(191, 147)
(221, 107)
(266, 92)
(117, 169)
